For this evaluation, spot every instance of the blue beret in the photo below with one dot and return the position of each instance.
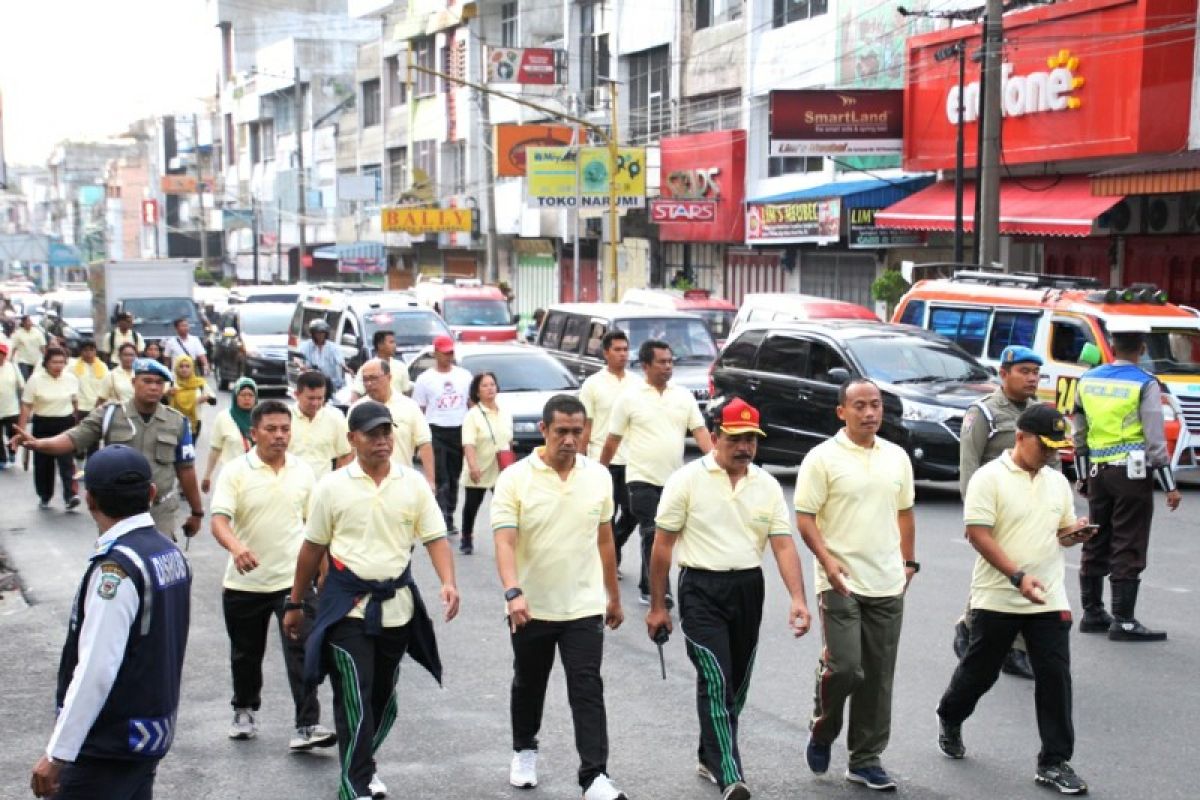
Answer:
(148, 366)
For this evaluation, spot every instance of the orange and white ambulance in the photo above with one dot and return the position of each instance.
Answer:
(1058, 316)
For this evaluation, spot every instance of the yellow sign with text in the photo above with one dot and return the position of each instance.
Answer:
(557, 176)
(427, 220)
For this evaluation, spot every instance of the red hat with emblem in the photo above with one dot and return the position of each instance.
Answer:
(739, 417)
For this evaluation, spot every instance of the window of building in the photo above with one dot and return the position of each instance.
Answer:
(785, 12)
(508, 24)
(372, 103)
(285, 112)
(593, 53)
(266, 131)
(424, 177)
(1010, 328)
(650, 94)
(230, 141)
(397, 89)
(255, 143)
(374, 171)
(423, 56)
(791, 165)
(715, 12)
(397, 161)
(714, 112)
(454, 166)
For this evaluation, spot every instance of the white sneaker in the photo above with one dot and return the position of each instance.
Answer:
(378, 788)
(244, 726)
(602, 789)
(309, 736)
(522, 773)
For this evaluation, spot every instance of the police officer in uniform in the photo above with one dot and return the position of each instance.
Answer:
(1119, 449)
(989, 428)
(118, 682)
(161, 434)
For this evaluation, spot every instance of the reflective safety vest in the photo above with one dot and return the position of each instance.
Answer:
(1111, 395)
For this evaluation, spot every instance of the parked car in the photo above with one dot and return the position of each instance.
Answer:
(265, 294)
(68, 315)
(528, 377)
(572, 333)
(353, 320)
(793, 307)
(252, 343)
(792, 371)
(717, 313)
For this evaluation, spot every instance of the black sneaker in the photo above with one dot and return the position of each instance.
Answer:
(950, 739)
(1061, 777)
(1016, 663)
(816, 755)
(871, 777)
(466, 548)
(736, 791)
(73, 502)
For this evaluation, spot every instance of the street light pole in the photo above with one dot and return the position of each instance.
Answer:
(301, 210)
(987, 225)
(959, 51)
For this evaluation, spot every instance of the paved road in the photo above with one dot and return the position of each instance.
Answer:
(1135, 707)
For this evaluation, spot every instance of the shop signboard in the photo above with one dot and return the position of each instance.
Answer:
(510, 141)
(527, 66)
(863, 235)
(794, 221)
(400, 219)
(563, 177)
(835, 122)
(703, 188)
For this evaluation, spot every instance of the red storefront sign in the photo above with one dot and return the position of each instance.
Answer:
(835, 122)
(703, 188)
(1082, 79)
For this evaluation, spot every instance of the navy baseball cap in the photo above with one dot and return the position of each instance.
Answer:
(367, 415)
(1047, 423)
(1016, 354)
(148, 366)
(116, 468)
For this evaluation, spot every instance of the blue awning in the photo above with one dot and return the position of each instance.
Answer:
(870, 193)
(356, 257)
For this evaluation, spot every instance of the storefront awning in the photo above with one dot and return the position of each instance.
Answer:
(1057, 206)
(356, 257)
(1179, 172)
(871, 193)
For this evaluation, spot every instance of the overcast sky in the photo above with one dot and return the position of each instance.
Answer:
(87, 68)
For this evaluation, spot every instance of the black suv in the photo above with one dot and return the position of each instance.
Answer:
(791, 373)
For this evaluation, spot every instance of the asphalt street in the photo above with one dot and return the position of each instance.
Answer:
(1136, 706)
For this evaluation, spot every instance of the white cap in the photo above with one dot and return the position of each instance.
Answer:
(1127, 324)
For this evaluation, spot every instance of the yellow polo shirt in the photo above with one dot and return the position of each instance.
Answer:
(598, 394)
(321, 440)
(410, 428)
(92, 379)
(557, 522)
(118, 386)
(721, 526)
(11, 384)
(488, 432)
(27, 345)
(856, 493)
(1025, 513)
(227, 438)
(51, 397)
(266, 509)
(373, 529)
(652, 426)
(400, 381)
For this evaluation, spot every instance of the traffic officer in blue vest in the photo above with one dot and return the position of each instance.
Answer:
(1119, 448)
(118, 681)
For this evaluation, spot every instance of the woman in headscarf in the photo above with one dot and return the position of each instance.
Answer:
(231, 430)
(189, 391)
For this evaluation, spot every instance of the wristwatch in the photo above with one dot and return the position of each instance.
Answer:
(915, 566)
(196, 513)
(1016, 578)
(512, 594)
(291, 605)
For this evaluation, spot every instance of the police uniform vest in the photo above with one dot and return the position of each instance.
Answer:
(138, 717)
(158, 441)
(1111, 395)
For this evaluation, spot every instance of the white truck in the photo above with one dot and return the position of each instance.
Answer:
(155, 291)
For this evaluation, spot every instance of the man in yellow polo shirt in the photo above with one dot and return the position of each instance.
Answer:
(598, 394)
(258, 515)
(854, 508)
(365, 521)
(552, 515)
(1020, 515)
(717, 514)
(411, 435)
(319, 433)
(651, 420)
(384, 345)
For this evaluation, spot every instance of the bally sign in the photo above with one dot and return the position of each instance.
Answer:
(833, 122)
(427, 220)
(1081, 80)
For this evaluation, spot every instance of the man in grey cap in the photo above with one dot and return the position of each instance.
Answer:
(161, 434)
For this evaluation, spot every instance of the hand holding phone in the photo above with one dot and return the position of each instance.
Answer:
(1079, 535)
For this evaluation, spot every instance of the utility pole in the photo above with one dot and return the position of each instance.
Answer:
(254, 232)
(613, 138)
(201, 222)
(957, 50)
(486, 164)
(301, 211)
(987, 225)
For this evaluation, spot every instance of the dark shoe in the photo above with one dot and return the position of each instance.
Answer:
(1125, 627)
(962, 636)
(950, 739)
(1091, 595)
(1016, 663)
(817, 756)
(1062, 777)
(466, 547)
(73, 502)
(43, 504)
(736, 791)
(871, 777)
